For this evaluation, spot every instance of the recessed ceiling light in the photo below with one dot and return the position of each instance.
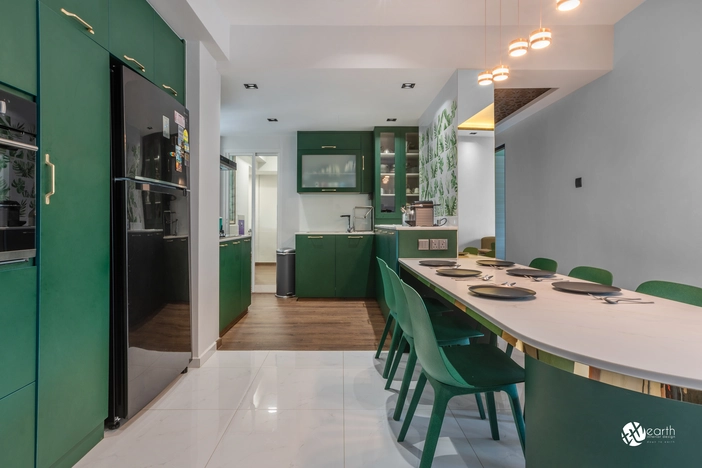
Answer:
(272, 120)
(250, 86)
(392, 120)
(567, 5)
(408, 85)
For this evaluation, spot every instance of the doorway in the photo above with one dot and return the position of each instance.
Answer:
(265, 222)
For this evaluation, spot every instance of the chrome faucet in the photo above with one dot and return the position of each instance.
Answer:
(348, 229)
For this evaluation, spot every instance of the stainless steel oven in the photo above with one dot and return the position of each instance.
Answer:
(18, 177)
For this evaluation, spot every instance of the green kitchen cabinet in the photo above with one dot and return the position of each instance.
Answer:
(169, 60)
(18, 55)
(367, 162)
(90, 17)
(315, 265)
(18, 329)
(234, 281)
(329, 140)
(74, 242)
(17, 423)
(397, 171)
(225, 292)
(132, 35)
(355, 269)
(245, 273)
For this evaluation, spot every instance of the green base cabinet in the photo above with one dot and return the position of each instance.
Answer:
(74, 240)
(355, 272)
(18, 55)
(17, 428)
(234, 281)
(85, 16)
(246, 258)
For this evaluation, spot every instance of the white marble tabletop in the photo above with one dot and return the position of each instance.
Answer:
(661, 342)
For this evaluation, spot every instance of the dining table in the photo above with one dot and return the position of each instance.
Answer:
(615, 383)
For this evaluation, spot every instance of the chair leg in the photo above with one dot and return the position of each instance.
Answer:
(396, 362)
(517, 413)
(383, 336)
(509, 350)
(492, 414)
(413, 406)
(441, 399)
(396, 336)
(406, 380)
(481, 408)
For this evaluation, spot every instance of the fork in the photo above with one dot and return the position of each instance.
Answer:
(604, 298)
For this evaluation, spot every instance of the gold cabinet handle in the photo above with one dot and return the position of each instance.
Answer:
(355, 237)
(315, 237)
(221, 246)
(363, 163)
(236, 243)
(328, 147)
(328, 190)
(53, 179)
(143, 70)
(247, 240)
(79, 19)
(175, 93)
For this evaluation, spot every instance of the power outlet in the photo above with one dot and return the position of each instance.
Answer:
(423, 244)
(439, 244)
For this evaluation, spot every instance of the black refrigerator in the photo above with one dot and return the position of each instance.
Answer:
(150, 297)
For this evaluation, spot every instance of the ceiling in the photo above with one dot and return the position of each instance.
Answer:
(509, 100)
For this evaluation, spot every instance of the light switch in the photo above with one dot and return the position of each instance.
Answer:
(423, 244)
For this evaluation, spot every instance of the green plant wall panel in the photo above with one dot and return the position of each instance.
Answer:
(438, 161)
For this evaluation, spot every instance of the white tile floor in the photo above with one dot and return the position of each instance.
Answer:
(306, 409)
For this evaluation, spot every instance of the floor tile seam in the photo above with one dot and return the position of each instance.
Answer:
(467, 438)
(248, 387)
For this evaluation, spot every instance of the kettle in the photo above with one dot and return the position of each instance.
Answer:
(409, 215)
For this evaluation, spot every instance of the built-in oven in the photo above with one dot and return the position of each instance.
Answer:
(18, 176)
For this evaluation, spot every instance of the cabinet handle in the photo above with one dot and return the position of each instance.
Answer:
(143, 70)
(221, 246)
(53, 179)
(328, 190)
(79, 19)
(355, 237)
(175, 93)
(236, 243)
(169, 241)
(247, 240)
(328, 147)
(315, 237)
(363, 163)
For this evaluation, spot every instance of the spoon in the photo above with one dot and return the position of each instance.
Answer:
(613, 300)
(602, 298)
(507, 283)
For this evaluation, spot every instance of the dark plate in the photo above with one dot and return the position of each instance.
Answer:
(502, 292)
(437, 263)
(495, 263)
(530, 272)
(584, 288)
(458, 272)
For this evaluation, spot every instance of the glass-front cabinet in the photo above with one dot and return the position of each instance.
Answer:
(329, 171)
(397, 169)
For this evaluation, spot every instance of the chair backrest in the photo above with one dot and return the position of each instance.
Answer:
(674, 291)
(596, 275)
(430, 355)
(387, 285)
(485, 242)
(471, 250)
(400, 309)
(544, 264)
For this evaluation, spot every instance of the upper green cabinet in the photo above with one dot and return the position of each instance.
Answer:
(132, 35)
(334, 162)
(88, 16)
(169, 60)
(18, 54)
(397, 171)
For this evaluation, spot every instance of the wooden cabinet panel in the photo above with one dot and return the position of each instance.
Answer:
(18, 55)
(18, 329)
(169, 60)
(355, 269)
(74, 240)
(85, 16)
(315, 266)
(17, 412)
(132, 35)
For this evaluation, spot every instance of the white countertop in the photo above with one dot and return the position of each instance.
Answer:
(660, 342)
(335, 233)
(232, 238)
(399, 227)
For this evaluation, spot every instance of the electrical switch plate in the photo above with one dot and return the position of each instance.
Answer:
(423, 244)
(434, 244)
(443, 244)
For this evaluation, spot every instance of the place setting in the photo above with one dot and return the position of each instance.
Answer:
(600, 292)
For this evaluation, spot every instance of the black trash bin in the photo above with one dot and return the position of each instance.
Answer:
(285, 272)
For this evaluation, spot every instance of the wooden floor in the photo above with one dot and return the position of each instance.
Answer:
(307, 324)
(265, 274)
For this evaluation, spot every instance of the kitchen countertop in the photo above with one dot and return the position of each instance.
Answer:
(335, 233)
(399, 227)
(232, 238)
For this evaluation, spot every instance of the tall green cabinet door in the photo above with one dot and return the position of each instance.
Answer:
(315, 265)
(74, 243)
(224, 291)
(17, 412)
(234, 281)
(87, 16)
(355, 266)
(132, 34)
(169, 60)
(18, 54)
(245, 273)
(367, 162)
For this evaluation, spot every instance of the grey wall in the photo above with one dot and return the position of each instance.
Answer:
(635, 137)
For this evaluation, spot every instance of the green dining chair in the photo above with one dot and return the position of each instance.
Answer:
(450, 331)
(434, 307)
(460, 370)
(674, 291)
(596, 275)
(545, 264)
(471, 250)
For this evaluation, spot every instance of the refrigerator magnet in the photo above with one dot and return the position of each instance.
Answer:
(179, 119)
(166, 127)
(186, 138)
(180, 135)
(179, 160)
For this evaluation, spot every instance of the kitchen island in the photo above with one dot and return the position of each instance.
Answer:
(607, 384)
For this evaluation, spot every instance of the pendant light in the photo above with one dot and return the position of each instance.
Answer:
(500, 72)
(567, 5)
(485, 78)
(541, 38)
(520, 46)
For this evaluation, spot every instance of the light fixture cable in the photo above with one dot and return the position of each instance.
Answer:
(501, 72)
(541, 38)
(519, 46)
(485, 78)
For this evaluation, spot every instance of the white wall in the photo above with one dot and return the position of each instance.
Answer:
(266, 217)
(243, 193)
(476, 189)
(634, 137)
(203, 102)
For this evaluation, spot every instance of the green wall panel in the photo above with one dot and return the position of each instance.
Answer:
(17, 428)
(408, 242)
(18, 54)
